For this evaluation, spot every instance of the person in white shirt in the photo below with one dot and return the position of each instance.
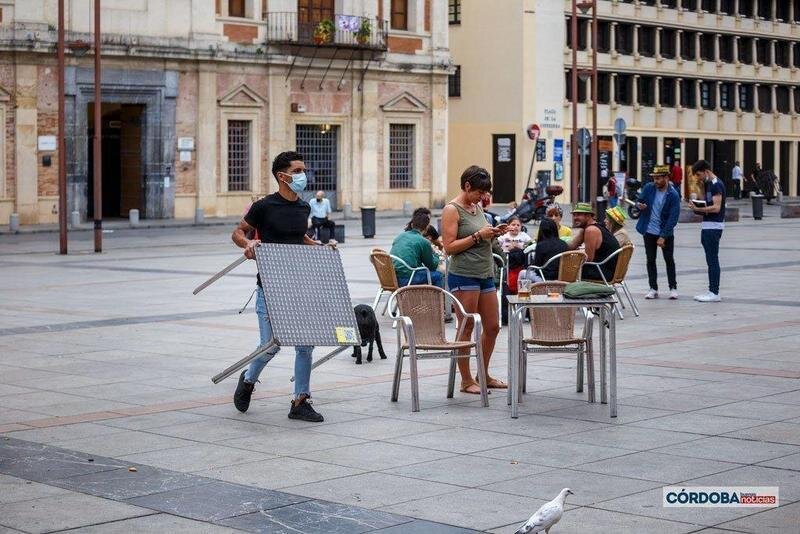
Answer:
(738, 179)
(320, 209)
(515, 238)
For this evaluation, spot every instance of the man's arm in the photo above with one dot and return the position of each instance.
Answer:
(592, 239)
(239, 236)
(674, 215)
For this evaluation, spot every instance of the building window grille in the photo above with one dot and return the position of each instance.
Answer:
(318, 143)
(782, 98)
(726, 97)
(454, 11)
(239, 155)
(746, 97)
(764, 99)
(454, 83)
(688, 46)
(646, 91)
(707, 95)
(400, 14)
(401, 156)
(236, 8)
(666, 92)
(688, 95)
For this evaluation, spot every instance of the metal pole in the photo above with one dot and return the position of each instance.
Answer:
(595, 140)
(574, 144)
(584, 189)
(98, 137)
(62, 156)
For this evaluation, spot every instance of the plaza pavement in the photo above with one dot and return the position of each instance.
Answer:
(109, 422)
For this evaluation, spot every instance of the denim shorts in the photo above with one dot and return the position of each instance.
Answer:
(467, 283)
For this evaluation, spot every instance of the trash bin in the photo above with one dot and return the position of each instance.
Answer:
(368, 221)
(758, 206)
(602, 205)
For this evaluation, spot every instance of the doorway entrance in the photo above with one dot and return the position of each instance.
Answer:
(122, 165)
(504, 165)
(319, 145)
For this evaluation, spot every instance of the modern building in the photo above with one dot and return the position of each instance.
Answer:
(199, 96)
(713, 79)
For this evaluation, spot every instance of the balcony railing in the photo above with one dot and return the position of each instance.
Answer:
(348, 31)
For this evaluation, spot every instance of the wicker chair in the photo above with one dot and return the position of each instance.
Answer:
(421, 316)
(623, 255)
(387, 276)
(569, 267)
(552, 330)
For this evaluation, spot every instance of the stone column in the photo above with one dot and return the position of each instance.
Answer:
(792, 51)
(371, 144)
(636, 39)
(772, 45)
(736, 49)
(754, 44)
(716, 48)
(737, 105)
(678, 4)
(678, 103)
(678, 37)
(635, 92)
(658, 42)
(735, 8)
(717, 93)
(756, 108)
(774, 13)
(613, 92)
(774, 98)
(792, 108)
(719, 7)
(657, 92)
(588, 34)
(697, 101)
(698, 37)
(613, 38)
(26, 115)
(438, 165)
(754, 9)
(279, 120)
(207, 140)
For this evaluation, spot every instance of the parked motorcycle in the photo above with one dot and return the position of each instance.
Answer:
(632, 187)
(534, 204)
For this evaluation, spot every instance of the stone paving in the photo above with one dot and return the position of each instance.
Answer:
(108, 357)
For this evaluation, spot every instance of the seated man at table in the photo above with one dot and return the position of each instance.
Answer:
(416, 251)
(599, 242)
(320, 211)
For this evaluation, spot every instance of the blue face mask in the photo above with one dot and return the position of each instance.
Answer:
(298, 182)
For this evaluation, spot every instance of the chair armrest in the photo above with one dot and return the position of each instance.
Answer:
(408, 331)
(412, 269)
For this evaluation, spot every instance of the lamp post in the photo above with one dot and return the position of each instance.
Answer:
(62, 156)
(584, 7)
(98, 137)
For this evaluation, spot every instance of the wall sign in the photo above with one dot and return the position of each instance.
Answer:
(541, 150)
(47, 142)
(186, 143)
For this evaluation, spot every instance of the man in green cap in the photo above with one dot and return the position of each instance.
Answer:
(599, 242)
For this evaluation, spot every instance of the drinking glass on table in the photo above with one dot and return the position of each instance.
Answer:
(524, 288)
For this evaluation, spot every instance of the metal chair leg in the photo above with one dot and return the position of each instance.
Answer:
(482, 376)
(619, 298)
(579, 373)
(630, 299)
(377, 299)
(451, 378)
(412, 358)
(398, 373)
(590, 369)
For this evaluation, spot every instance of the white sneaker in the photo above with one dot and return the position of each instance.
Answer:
(673, 294)
(652, 294)
(708, 297)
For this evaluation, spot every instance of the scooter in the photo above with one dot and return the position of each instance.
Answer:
(632, 187)
(534, 205)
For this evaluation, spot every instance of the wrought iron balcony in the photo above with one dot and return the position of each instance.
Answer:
(340, 31)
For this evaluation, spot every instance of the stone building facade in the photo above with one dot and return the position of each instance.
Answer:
(198, 96)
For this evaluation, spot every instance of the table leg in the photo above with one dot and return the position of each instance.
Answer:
(612, 342)
(513, 387)
(604, 317)
(510, 350)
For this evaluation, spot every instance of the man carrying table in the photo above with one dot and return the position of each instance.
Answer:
(281, 217)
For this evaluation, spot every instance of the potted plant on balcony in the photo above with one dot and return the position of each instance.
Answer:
(364, 32)
(324, 31)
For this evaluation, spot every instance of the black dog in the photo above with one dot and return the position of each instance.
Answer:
(370, 332)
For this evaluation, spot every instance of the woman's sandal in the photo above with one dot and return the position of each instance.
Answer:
(493, 383)
(471, 388)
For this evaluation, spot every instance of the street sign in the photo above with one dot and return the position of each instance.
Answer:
(620, 125)
(620, 138)
(584, 138)
(533, 132)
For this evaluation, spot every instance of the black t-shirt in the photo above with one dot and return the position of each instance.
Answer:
(278, 220)
(608, 246)
(546, 249)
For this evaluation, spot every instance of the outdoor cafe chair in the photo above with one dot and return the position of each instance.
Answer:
(387, 276)
(569, 267)
(421, 335)
(623, 255)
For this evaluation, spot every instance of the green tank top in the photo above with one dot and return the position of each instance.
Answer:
(476, 261)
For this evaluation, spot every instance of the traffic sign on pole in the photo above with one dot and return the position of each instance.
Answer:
(584, 138)
(533, 132)
(620, 138)
(620, 125)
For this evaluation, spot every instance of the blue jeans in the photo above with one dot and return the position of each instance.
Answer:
(302, 359)
(710, 240)
(613, 200)
(421, 278)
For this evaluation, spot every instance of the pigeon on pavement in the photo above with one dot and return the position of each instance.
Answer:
(545, 517)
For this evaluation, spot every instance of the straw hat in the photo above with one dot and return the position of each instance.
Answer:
(616, 214)
(583, 207)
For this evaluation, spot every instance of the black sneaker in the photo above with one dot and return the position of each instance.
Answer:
(244, 390)
(305, 412)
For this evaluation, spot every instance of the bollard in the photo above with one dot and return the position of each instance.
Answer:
(133, 217)
(368, 221)
(408, 208)
(75, 219)
(13, 222)
(348, 211)
(199, 216)
(602, 204)
(758, 206)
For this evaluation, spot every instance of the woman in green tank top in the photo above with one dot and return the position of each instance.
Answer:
(467, 239)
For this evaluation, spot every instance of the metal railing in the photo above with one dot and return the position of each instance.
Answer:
(339, 31)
